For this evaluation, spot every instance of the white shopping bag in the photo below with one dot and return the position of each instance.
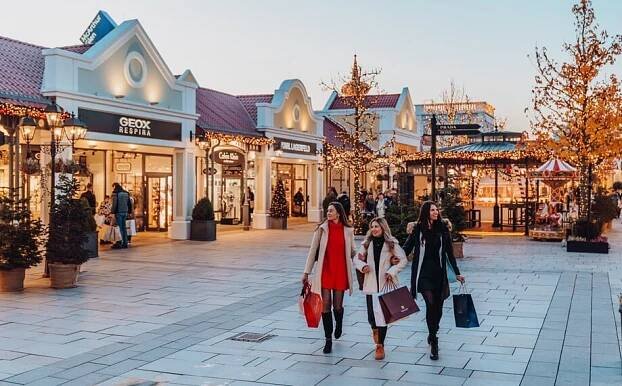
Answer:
(130, 225)
(110, 233)
(378, 315)
(100, 219)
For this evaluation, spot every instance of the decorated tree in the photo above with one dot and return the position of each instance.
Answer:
(278, 205)
(358, 147)
(578, 107)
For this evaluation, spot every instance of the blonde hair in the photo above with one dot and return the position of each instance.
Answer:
(386, 232)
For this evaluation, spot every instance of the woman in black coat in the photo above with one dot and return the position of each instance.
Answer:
(429, 271)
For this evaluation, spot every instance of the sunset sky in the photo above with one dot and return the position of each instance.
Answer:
(246, 47)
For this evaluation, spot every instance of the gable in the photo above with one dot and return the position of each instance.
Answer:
(130, 72)
(295, 114)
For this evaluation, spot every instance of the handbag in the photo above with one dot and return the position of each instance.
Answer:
(312, 306)
(464, 309)
(397, 304)
(451, 274)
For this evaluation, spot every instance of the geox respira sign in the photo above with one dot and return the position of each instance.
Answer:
(101, 122)
(101, 25)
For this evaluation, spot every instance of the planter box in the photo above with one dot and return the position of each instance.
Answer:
(230, 221)
(202, 230)
(63, 275)
(587, 247)
(92, 245)
(12, 280)
(278, 222)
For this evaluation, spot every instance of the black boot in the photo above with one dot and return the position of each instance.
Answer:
(338, 323)
(327, 321)
(433, 347)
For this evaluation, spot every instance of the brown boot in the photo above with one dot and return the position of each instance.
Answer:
(374, 334)
(379, 355)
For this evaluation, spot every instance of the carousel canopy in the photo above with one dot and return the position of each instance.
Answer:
(555, 168)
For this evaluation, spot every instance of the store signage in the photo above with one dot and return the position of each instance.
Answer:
(101, 25)
(101, 122)
(228, 157)
(232, 171)
(123, 167)
(291, 146)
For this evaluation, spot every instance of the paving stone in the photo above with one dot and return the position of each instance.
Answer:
(542, 369)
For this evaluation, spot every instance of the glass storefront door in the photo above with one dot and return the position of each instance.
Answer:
(159, 201)
(294, 177)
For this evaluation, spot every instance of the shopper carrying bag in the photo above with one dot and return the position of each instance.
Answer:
(333, 244)
(380, 259)
(429, 269)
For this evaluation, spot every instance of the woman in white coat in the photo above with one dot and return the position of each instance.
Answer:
(332, 248)
(380, 259)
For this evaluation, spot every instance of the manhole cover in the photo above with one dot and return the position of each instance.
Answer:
(253, 337)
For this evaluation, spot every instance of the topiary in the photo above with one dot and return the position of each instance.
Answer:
(398, 216)
(68, 230)
(21, 237)
(203, 210)
(452, 208)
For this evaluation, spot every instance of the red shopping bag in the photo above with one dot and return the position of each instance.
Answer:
(312, 305)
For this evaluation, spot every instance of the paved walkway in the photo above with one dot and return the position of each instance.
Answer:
(165, 313)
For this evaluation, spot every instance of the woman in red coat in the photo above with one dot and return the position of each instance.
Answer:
(332, 248)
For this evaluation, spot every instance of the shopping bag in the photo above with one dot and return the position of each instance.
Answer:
(397, 304)
(451, 274)
(130, 225)
(312, 305)
(100, 219)
(464, 310)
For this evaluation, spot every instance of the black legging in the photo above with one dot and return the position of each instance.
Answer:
(433, 309)
(382, 331)
(335, 301)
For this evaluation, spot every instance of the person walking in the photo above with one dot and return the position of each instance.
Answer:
(332, 248)
(429, 269)
(121, 206)
(89, 196)
(331, 196)
(381, 205)
(299, 200)
(380, 259)
(248, 198)
(344, 200)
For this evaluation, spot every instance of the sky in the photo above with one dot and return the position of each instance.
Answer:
(250, 47)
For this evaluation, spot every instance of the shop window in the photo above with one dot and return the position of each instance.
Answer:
(158, 164)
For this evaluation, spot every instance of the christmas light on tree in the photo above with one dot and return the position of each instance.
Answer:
(278, 205)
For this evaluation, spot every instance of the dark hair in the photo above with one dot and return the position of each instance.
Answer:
(89, 185)
(116, 187)
(424, 216)
(342, 213)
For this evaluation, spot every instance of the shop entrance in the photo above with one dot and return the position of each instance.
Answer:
(294, 177)
(159, 193)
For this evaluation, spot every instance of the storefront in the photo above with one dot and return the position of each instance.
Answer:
(141, 121)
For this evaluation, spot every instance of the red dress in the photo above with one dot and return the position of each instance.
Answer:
(334, 269)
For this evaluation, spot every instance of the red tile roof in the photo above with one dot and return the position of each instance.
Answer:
(250, 103)
(21, 73)
(223, 112)
(331, 131)
(371, 101)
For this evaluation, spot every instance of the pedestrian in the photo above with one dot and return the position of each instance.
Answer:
(370, 204)
(331, 196)
(90, 197)
(248, 198)
(332, 248)
(429, 269)
(299, 199)
(344, 200)
(381, 205)
(103, 218)
(121, 206)
(380, 259)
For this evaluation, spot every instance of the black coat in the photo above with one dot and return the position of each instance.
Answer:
(413, 242)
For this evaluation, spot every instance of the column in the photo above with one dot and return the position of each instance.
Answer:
(183, 193)
(263, 189)
(316, 189)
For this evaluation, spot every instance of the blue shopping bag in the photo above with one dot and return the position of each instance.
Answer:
(464, 310)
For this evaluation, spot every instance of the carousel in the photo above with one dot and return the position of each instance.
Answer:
(552, 217)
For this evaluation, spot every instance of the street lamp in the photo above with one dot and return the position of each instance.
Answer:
(205, 144)
(74, 129)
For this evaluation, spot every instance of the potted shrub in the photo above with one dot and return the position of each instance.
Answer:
(92, 242)
(604, 208)
(279, 209)
(203, 226)
(586, 237)
(68, 235)
(452, 209)
(21, 239)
